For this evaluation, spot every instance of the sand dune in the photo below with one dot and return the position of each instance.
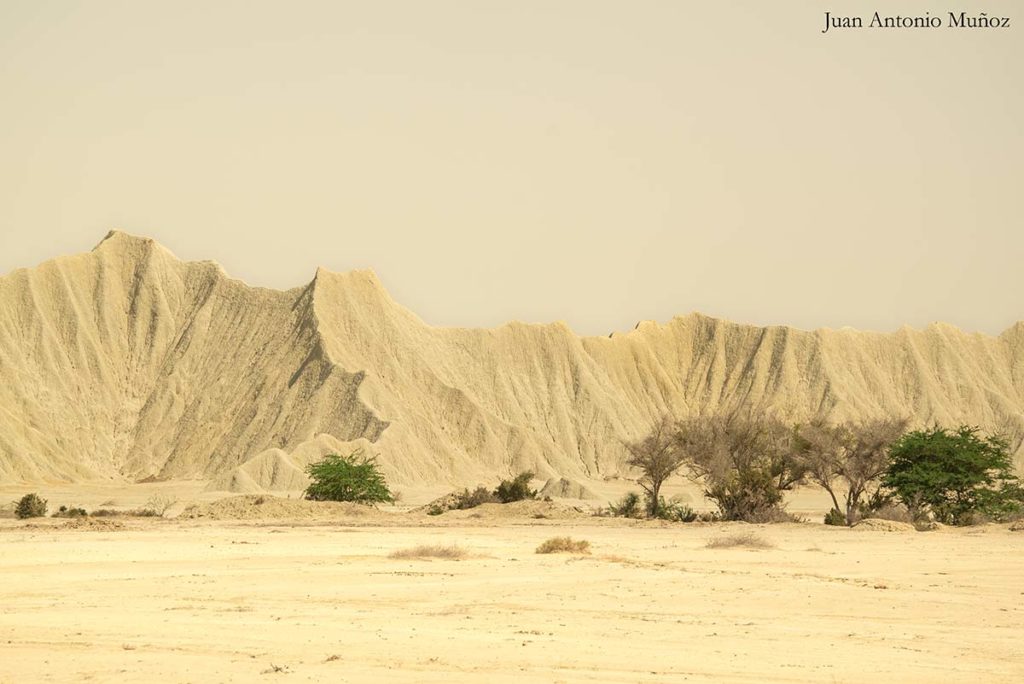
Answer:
(127, 363)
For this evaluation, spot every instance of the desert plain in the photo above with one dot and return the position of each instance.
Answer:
(316, 596)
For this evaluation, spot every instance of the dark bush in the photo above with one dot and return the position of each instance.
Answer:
(472, 499)
(835, 517)
(30, 506)
(626, 507)
(516, 489)
(65, 512)
(127, 513)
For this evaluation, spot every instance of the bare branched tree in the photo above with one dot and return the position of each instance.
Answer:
(745, 463)
(658, 456)
(848, 456)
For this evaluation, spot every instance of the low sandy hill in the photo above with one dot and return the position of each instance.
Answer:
(265, 507)
(128, 363)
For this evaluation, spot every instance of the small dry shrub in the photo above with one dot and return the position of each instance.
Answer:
(451, 552)
(160, 504)
(747, 540)
(564, 545)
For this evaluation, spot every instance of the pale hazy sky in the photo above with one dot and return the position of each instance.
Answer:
(593, 162)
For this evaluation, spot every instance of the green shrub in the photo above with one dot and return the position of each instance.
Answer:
(65, 512)
(626, 507)
(835, 517)
(472, 499)
(355, 478)
(516, 489)
(675, 511)
(30, 506)
(956, 476)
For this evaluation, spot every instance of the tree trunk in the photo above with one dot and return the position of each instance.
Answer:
(835, 499)
(655, 499)
(852, 498)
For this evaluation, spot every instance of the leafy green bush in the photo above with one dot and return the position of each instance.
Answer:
(516, 489)
(355, 478)
(65, 512)
(675, 511)
(956, 476)
(626, 507)
(30, 506)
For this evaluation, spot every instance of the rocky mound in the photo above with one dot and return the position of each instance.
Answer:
(523, 510)
(878, 525)
(266, 507)
(563, 488)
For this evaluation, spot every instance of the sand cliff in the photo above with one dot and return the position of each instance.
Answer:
(128, 363)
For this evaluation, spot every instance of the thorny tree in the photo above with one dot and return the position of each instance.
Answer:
(848, 456)
(658, 456)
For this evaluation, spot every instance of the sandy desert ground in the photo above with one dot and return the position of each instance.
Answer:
(320, 600)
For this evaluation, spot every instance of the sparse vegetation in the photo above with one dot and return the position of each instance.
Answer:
(160, 504)
(65, 512)
(30, 506)
(675, 511)
(356, 478)
(508, 491)
(564, 545)
(955, 476)
(451, 552)
(748, 539)
(127, 513)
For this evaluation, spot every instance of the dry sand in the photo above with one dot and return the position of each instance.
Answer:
(203, 601)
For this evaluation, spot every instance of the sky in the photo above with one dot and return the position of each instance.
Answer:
(592, 162)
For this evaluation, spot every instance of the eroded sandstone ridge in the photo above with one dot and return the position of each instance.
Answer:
(129, 363)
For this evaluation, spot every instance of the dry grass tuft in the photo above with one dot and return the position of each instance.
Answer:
(747, 540)
(452, 552)
(564, 545)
